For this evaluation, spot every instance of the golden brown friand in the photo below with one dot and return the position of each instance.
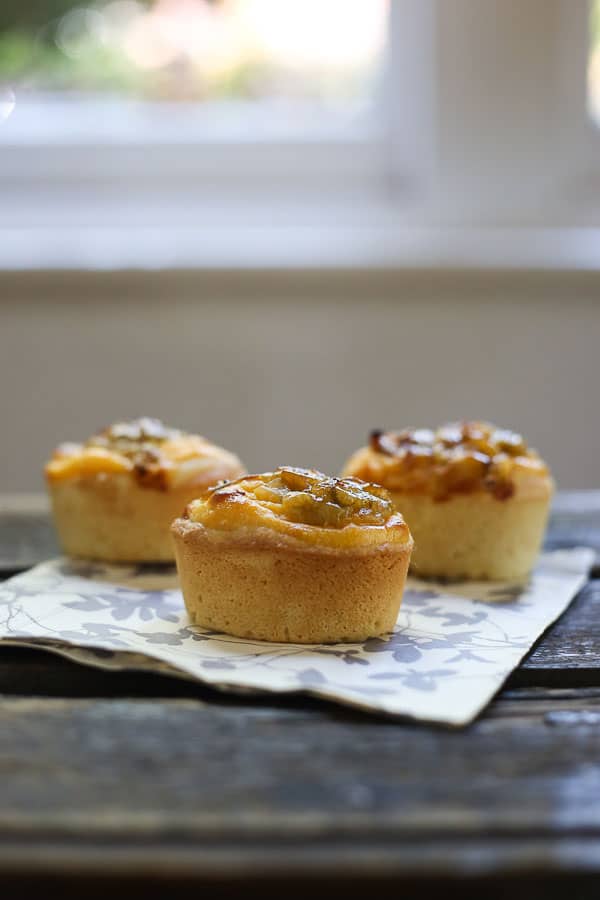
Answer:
(475, 496)
(115, 495)
(293, 555)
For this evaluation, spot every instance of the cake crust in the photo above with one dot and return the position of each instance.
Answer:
(474, 537)
(283, 591)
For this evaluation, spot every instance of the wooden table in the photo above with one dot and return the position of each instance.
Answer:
(169, 787)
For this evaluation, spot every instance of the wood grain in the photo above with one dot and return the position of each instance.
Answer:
(570, 651)
(207, 789)
(26, 532)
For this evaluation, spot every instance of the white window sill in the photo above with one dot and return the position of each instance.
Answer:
(87, 120)
(281, 247)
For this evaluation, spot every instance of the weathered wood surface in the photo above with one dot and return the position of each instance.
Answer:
(575, 521)
(26, 533)
(114, 779)
(213, 789)
(570, 651)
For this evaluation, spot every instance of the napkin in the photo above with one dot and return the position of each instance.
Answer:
(451, 650)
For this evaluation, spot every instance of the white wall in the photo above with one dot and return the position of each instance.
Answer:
(297, 368)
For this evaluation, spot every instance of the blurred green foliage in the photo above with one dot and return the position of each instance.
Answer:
(32, 15)
(28, 50)
(25, 59)
(21, 53)
(31, 58)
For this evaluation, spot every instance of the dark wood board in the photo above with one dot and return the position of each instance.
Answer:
(26, 538)
(569, 653)
(211, 790)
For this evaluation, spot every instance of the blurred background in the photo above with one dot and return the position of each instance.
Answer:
(283, 223)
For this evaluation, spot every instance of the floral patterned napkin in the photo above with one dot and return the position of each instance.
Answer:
(453, 646)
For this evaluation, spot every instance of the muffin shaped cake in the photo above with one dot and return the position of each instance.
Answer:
(293, 555)
(114, 497)
(475, 497)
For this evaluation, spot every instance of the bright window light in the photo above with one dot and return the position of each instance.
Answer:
(325, 51)
(594, 63)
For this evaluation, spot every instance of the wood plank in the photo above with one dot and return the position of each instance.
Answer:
(167, 882)
(25, 672)
(570, 651)
(584, 503)
(205, 789)
(575, 522)
(26, 532)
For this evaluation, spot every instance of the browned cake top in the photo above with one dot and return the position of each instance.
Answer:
(453, 459)
(155, 455)
(300, 502)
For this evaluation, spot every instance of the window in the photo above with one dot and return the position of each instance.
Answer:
(379, 115)
(189, 69)
(594, 62)
(188, 104)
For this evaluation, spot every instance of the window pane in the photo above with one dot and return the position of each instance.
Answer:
(292, 53)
